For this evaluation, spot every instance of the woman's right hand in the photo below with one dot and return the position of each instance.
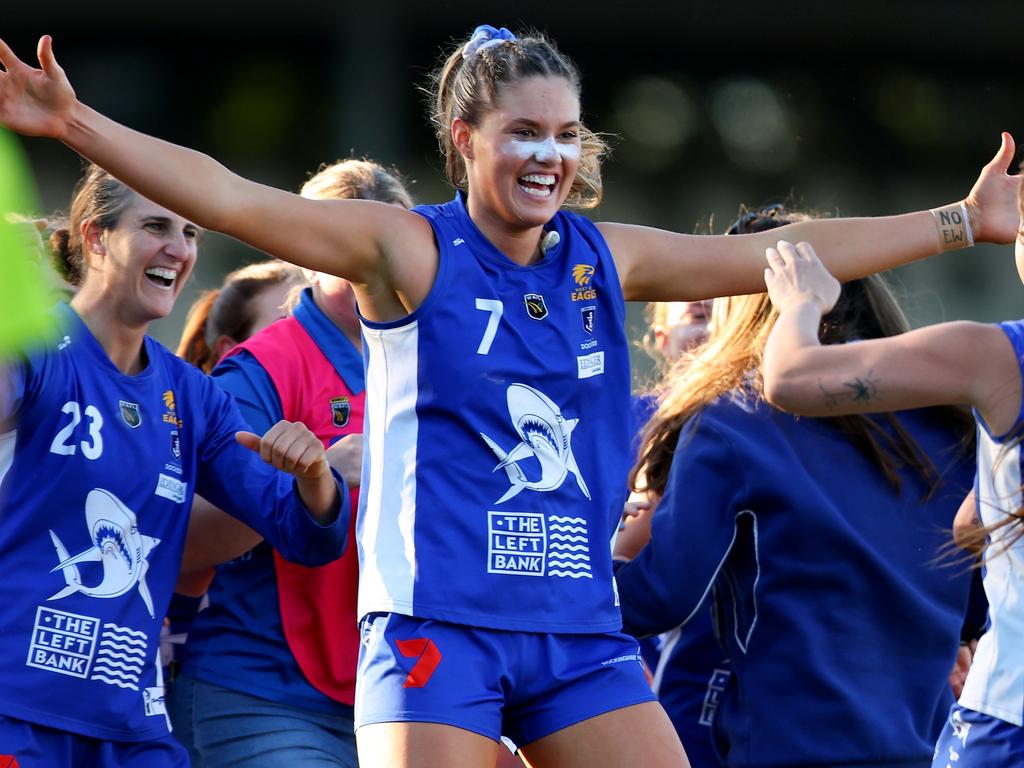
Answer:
(796, 274)
(35, 102)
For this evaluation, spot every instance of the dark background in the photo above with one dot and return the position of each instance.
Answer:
(856, 108)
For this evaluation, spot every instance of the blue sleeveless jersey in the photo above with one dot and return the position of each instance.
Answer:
(995, 684)
(497, 431)
(96, 484)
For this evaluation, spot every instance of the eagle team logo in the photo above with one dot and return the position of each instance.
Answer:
(341, 409)
(535, 306)
(583, 276)
(130, 413)
(170, 416)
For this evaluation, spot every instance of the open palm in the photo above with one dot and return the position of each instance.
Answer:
(34, 102)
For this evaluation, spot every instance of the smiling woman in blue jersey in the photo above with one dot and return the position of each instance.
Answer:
(111, 435)
(812, 542)
(497, 373)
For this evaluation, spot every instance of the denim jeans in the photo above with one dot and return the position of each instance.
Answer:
(222, 728)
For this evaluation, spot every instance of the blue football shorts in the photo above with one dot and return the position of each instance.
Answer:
(38, 746)
(974, 740)
(521, 685)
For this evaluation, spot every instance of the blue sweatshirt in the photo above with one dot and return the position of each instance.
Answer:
(841, 628)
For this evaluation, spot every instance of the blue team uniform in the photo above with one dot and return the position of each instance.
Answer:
(841, 629)
(498, 432)
(986, 727)
(97, 484)
(690, 667)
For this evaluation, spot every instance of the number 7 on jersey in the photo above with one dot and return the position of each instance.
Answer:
(495, 307)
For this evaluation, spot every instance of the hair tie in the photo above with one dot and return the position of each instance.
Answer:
(485, 36)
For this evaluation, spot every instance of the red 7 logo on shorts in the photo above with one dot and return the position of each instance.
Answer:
(8, 761)
(429, 658)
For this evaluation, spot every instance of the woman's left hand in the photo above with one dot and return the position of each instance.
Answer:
(795, 274)
(992, 202)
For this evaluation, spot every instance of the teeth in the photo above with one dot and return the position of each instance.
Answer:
(166, 274)
(540, 178)
(546, 192)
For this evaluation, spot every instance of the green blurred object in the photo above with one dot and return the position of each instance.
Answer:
(25, 300)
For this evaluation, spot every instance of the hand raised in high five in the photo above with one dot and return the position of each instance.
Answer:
(35, 102)
(992, 201)
(795, 274)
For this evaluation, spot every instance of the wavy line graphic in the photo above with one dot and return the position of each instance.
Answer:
(118, 683)
(568, 548)
(577, 529)
(570, 575)
(135, 666)
(564, 537)
(570, 556)
(106, 670)
(120, 649)
(555, 563)
(557, 519)
(125, 630)
(131, 655)
(114, 637)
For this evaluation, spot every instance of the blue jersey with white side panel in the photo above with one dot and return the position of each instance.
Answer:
(995, 684)
(498, 430)
(96, 486)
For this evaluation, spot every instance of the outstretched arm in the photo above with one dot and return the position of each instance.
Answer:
(352, 239)
(655, 265)
(951, 363)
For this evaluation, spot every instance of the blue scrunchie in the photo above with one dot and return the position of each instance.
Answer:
(485, 36)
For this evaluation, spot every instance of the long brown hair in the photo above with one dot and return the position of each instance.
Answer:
(731, 358)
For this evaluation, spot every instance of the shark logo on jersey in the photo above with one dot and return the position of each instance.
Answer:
(545, 436)
(117, 545)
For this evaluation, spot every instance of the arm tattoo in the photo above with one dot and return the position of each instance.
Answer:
(860, 389)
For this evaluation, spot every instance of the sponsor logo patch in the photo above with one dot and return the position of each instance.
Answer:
(171, 488)
(170, 416)
(587, 315)
(535, 306)
(130, 413)
(175, 444)
(153, 700)
(80, 646)
(590, 365)
(583, 275)
(427, 658)
(341, 409)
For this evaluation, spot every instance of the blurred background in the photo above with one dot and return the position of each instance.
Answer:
(860, 108)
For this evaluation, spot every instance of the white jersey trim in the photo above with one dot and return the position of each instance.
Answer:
(386, 522)
(995, 685)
